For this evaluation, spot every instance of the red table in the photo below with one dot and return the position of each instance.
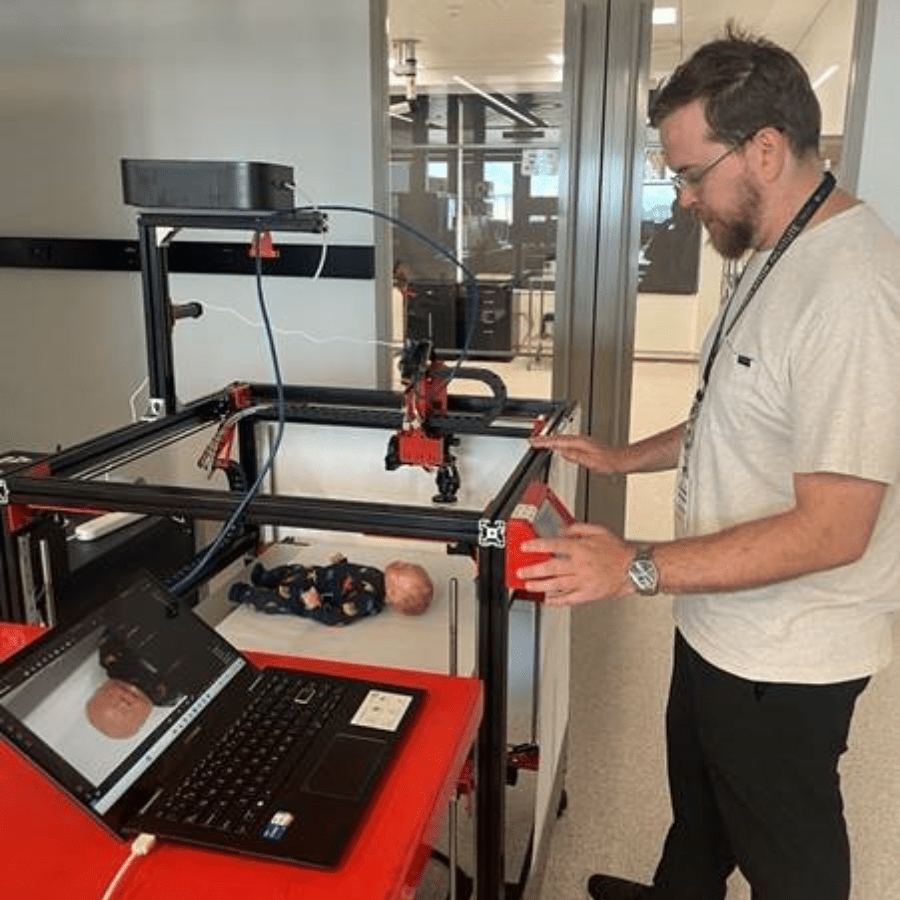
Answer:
(51, 848)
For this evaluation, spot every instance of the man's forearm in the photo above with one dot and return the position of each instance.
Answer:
(747, 556)
(829, 527)
(658, 453)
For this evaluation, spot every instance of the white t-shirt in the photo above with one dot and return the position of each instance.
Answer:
(807, 381)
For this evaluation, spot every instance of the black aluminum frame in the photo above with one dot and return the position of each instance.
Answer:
(61, 483)
(158, 319)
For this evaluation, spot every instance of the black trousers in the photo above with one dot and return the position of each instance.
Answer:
(753, 778)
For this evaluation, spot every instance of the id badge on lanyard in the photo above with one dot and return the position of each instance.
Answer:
(682, 488)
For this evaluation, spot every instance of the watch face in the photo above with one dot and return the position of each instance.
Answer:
(644, 575)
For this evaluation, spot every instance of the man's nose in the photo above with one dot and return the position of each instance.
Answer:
(687, 197)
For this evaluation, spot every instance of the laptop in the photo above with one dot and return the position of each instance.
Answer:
(154, 723)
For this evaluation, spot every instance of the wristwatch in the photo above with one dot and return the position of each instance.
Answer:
(642, 571)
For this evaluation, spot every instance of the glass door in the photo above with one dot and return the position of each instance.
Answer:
(474, 160)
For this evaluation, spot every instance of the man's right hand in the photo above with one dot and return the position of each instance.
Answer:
(584, 451)
(656, 453)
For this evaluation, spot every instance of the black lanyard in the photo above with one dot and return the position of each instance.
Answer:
(790, 233)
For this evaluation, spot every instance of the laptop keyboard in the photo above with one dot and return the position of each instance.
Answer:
(231, 786)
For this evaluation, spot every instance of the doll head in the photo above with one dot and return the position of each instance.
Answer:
(407, 587)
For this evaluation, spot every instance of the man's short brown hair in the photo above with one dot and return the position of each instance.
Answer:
(745, 83)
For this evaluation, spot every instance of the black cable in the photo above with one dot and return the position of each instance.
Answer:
(237, 481)
(472, 283)
(492, 380)
(236, 518)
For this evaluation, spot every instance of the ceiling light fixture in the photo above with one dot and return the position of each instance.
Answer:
(824, 77)
(665, 15)
(405, 64)
(493, 100)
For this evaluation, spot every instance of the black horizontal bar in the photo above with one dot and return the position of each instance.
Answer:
(366, 418)
(98, 254)
(384, 409)
(194, 257)
(525, 408)
(286, 220)
(442, 524)
(132, 437)
(297, 260)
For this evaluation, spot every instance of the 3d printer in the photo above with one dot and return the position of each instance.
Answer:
(420, 426)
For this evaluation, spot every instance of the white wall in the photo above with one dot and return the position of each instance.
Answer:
(878, 183)
(828, 43)
(83, 84)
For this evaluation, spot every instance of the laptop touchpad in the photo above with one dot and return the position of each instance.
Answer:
(346, 767)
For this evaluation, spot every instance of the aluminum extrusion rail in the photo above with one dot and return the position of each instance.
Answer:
(48, 493)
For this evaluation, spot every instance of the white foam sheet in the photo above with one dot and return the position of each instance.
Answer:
(389, 638)
(345, 463)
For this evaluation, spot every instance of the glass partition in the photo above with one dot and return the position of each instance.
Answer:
(477, 172)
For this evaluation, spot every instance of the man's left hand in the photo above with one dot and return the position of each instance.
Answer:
(589, 563)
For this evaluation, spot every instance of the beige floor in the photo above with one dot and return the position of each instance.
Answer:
(618, 805)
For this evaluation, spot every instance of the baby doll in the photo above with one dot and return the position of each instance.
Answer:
(335, 594)
(338, 593)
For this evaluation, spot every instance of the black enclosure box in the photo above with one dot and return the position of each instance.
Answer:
(95, 570)
(431, 309)
(444, 312)
(491, 323)
(201, 185)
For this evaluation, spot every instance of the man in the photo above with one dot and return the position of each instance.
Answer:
(784, 564)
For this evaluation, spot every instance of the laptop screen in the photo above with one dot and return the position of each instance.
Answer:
(96, 704)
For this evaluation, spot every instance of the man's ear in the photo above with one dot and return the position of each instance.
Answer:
(769, 149)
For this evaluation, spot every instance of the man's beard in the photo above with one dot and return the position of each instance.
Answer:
(734, 237)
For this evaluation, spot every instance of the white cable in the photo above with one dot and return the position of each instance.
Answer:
(335, 339)
(133, 397)
(323, 233)
(322, 256)
(140, 846)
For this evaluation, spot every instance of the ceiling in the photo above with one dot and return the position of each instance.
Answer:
(508, 44)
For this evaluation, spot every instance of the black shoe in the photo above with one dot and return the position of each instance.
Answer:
(608, 887)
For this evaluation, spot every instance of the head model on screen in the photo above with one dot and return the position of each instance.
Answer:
(118, 709)
(142, 672)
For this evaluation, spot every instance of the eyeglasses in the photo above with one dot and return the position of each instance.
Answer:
(686, 178)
